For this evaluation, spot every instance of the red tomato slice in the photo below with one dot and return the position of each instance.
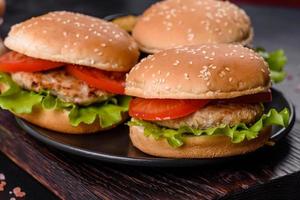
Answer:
(16, 62)
(163, 109)
(113, 82)
(263, 97)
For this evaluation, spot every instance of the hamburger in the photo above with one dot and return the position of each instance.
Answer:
(172, 23)
(201, 101)
(66, 72)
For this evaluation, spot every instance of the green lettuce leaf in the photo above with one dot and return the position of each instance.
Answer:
(13, 98)
(237, 133)
(277, 61)
(17, 100)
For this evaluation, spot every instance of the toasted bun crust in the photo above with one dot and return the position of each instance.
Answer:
(57, 120)
(173, 23)
(2, 7)
(199, 72)
(75, 38)
(198, 146)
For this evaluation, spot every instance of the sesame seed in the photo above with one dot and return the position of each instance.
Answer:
(186, 76)
(222, 74)
(177, 62)
(191, 36)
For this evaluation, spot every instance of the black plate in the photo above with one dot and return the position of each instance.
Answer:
(114, 145)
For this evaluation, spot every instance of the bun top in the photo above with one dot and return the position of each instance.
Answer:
(172, 23)
(217, 71)
(75, 38)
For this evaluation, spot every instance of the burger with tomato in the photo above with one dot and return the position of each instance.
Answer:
(66, 72)
(201, 101)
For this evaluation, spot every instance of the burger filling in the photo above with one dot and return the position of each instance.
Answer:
(61, 84)
(216, 115)
(240, 118)
(87, 94)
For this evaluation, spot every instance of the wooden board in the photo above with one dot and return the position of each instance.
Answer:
(76, 178)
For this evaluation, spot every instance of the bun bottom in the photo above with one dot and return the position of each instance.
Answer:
(58, 120)
(196, 146)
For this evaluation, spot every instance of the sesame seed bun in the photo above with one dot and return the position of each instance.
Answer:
(58, 120)
(197, 146)
(210, 71)
(75, 38)
(173, 23)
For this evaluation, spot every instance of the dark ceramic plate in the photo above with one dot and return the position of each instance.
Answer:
(114, 145)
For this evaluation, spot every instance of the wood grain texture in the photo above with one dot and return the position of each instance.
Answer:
(76, 178)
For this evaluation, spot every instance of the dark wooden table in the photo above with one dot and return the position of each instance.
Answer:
(272, 173)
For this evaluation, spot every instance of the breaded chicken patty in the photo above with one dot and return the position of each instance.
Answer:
(216, 115)
(62, 85)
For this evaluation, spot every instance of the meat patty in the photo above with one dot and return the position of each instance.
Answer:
(216, 115)
(62, 85)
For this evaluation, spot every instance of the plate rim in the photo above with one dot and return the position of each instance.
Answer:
(155, 161)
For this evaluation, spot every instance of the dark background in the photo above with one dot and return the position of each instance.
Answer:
(275, 28)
